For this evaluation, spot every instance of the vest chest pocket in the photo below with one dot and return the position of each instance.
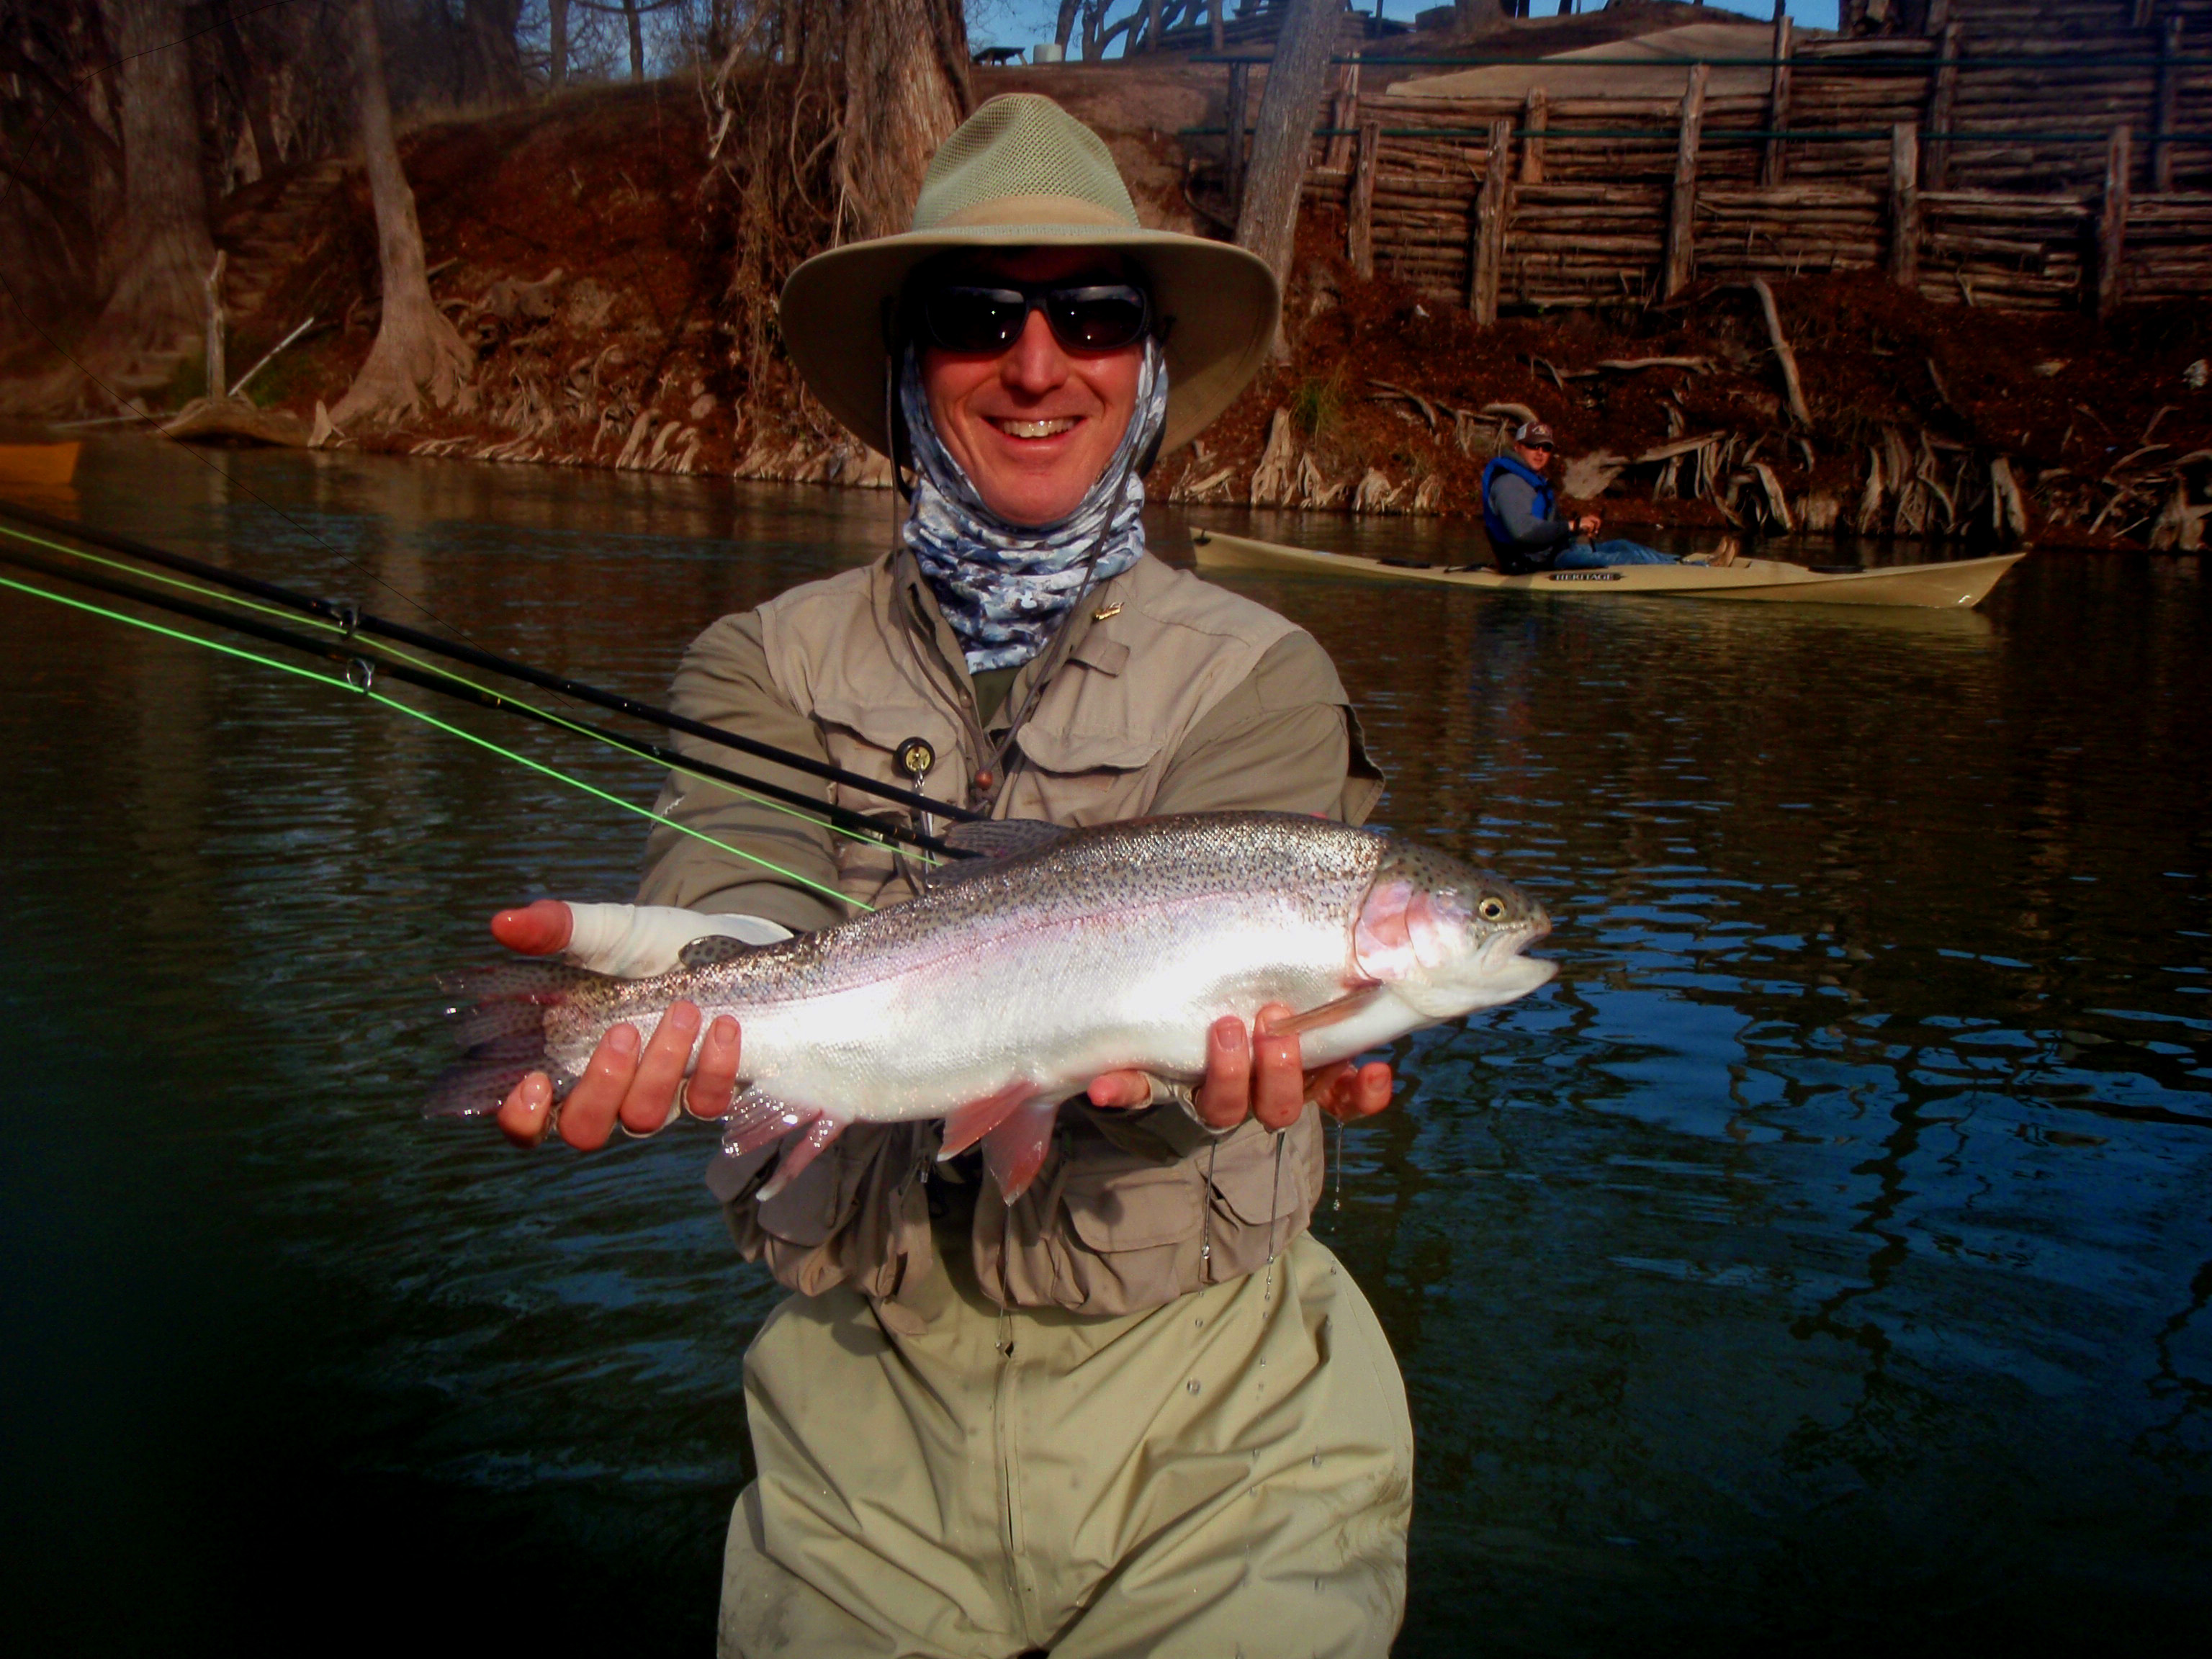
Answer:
(866, 738)
(1114, 1210)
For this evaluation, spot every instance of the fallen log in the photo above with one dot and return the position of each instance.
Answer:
(1783, 354)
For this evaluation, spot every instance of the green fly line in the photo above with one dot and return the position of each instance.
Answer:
(342, 683)
(430, 666)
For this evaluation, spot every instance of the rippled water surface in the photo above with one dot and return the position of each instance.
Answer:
(1822, 1260)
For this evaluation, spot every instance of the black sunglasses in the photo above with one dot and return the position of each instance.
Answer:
(973, 318)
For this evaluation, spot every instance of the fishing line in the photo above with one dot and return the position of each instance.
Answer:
(430, 676)
(363, 622)
(367, 689)
(839, 820)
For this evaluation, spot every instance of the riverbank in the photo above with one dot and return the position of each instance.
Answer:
(575, 245)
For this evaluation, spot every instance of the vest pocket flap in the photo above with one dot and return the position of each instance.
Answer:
(822, 1198)
(1059, 749)
(1245, 1175)
(1138, 1208)
(886, 725)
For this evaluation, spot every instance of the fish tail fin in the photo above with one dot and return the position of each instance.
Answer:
(475, 1088)
(497, 1018)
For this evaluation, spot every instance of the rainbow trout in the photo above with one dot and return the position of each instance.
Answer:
(1014, 980)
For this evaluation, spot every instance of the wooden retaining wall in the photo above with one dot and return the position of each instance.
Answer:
(2019, 154)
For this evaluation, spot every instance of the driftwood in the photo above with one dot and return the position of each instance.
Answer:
(238, 420)
(1783, 354)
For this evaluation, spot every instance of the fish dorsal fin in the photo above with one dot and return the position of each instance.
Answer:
(991, 845)
(1005, 838)
(714, 949)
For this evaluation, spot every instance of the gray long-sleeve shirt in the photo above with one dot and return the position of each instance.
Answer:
(1535, 539)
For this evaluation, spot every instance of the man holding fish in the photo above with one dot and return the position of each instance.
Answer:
(1097, 1390)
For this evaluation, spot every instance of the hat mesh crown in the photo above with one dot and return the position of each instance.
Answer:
(1020, 144)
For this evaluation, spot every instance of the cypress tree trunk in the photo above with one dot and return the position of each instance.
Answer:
(557, 67)
(490, 25)
(416, 347)
(1267, 221)
(906, 88)
(159, 247)
(636, 39)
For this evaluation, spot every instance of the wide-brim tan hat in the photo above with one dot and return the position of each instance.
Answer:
(1021, 172)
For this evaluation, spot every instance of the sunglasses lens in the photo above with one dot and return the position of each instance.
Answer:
(1100, 319)
(1102, 316)
(974, 318)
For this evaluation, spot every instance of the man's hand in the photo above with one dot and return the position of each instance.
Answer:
(642, 1090)
(1588, 524)
(1251, 1073)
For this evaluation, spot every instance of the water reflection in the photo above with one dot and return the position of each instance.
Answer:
(1823, 1256)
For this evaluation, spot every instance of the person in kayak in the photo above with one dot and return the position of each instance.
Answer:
(1528, 532)
(1138, 1409)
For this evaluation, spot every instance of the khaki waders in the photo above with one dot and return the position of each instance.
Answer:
(1231, 1474)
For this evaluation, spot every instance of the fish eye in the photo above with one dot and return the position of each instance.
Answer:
(1492, 909)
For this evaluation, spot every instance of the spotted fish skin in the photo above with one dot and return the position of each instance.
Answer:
(991, 998)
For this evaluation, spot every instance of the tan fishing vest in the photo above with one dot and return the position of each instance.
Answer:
(1115, 1222)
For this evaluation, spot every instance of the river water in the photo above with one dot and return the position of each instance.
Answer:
(1822, 1260)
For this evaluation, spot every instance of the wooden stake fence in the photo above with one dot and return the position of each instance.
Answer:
(1681, 234)
(1957, 163)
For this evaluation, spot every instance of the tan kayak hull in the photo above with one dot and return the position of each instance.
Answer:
(1964, 582)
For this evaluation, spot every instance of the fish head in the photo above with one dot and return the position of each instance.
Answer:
(1445, 937)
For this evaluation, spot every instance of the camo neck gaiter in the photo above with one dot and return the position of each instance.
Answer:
(1005, 587)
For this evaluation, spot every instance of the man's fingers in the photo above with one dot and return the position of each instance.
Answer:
(715, 1076)
(1225, 1096)
(523, 1114)
(1123, 1089)
(1348, 1096)
(588, 1113)
(650, 1100)
(535, 930)
(1279, 1079)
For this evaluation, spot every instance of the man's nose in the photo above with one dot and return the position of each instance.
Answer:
(1034, 364)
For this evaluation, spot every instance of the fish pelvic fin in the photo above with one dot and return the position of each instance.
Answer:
(756, 1119)
(1015, 1150)
(966, 1125)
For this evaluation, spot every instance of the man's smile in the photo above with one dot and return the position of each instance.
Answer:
(1014, 428)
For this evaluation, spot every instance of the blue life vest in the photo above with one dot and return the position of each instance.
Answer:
(1512, 559)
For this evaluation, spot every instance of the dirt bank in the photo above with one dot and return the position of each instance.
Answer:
(571, 247)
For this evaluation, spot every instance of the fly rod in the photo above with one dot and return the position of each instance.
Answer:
(363, 670)
(354, 620)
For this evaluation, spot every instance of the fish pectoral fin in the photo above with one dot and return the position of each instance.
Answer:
(1329, 1014)
(1014, 1151)
(819, 1134)
(757, 1119)
(966, 1125)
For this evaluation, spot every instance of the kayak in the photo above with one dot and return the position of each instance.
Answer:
(1934, 586)
(45, 466)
